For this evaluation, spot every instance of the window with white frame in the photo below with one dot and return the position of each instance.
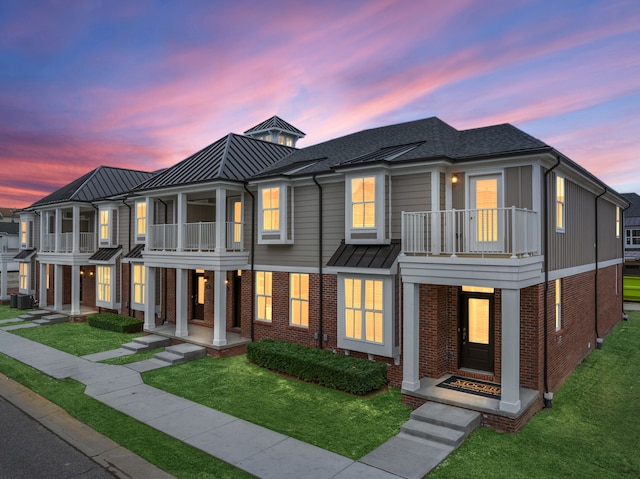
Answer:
(633, 237)
(236, 215)
(365, 208)
(558, 304)
(617, 222)
(365, 314)
(141, 220)
(103, 286)
(24, 234)
(23, 277)
(104, 227)
(299, 299)
(264, 297)
(560, 204)
(138, 285)
(275, 214)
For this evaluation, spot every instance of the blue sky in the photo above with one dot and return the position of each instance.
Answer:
(144, 84)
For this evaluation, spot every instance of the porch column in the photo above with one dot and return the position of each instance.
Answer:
(42, 295)
(76, 231)
(182, 303)
(219, 308)
(57, 292)
(435, 246)
(58, 231)
(510, 384)
(149, 297)
(221, 221)
(181, 219)
(43, 228)
(3, 281)
(411, 336)
(75, 289)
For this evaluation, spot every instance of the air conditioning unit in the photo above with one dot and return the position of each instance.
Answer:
(13, 301)
(24, 301)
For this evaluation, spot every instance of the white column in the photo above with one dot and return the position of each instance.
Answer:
(58, 229)
(182, 302)
(149, 297)
(221, 220)
(220, 308)
(57, 293)
(43, 227)
(75, 290)
(3, 281)
(435, 246)
(42, 296)
(411, 337)
(510, 385)
(76, 230)
(181, 219)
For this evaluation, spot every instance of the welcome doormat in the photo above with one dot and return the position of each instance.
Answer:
(471, 386)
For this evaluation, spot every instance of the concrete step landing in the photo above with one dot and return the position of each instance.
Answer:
(51, 319)
(145, 343)
(35, 314)
(181, 353)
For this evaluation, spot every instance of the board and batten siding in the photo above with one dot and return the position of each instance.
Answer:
(123, 227)
(609, 246)
(518, 187)
(408, 193)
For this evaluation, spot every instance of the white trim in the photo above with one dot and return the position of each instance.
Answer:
(299, 299)
(134, 304)
(112, 287)
(380, 204)
(284, 233)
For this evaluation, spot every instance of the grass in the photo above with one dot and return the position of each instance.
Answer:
(175, 457)
(76, 338)
(345, 424)
(592, 431)
(7, 312)
(133, 358)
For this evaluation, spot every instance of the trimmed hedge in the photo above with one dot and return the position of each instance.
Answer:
(115, 322)
(353, 375)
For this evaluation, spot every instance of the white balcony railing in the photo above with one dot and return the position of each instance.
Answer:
(199, 236)
(500, 231)
(48, 243)
(86, 244)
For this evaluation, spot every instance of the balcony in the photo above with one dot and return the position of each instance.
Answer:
(87, 243)
(200, 237)
(499, 232)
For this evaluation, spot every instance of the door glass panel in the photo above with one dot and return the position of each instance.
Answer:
(486, 204)
(479, 320)
(201, 284)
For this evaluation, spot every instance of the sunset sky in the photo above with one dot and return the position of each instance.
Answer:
(143, 84)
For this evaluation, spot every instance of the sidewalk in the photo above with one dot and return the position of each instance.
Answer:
(254, 449)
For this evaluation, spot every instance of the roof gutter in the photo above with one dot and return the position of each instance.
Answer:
(548, 395)
(320, 271)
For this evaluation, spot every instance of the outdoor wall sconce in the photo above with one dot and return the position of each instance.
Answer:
(90, 273)
(454, 179)
(81, 272)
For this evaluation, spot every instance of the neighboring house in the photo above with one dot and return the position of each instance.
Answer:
(9, 246)
(7, 215)
(632, 226)
(482, 253)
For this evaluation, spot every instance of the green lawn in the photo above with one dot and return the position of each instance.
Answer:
(7, 312)
(76, 338)
(592, 431)
(340, 422)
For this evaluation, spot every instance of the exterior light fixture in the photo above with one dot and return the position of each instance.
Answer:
(454, 179)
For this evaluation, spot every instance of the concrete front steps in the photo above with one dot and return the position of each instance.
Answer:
(43, 317)
(432, 433)
(35, 314)
(181, 353)
(145, 343)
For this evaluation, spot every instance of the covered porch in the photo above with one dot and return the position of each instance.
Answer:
(201, 336)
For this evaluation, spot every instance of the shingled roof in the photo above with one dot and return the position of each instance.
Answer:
(103, 182)
(632, 214)
(233, 157)
(430, 138)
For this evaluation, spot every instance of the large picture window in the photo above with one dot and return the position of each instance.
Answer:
(138, 284)
(23, 274)
(263, 296)
(299, 294)
(104, 284)
(363, 309)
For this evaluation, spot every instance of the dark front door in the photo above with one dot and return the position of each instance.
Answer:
(476, 328)
(198, 286)
(237, 298)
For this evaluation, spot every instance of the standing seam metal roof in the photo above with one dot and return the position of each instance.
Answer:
(275, 123)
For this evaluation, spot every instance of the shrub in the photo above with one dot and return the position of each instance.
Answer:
(115, 322)
(353, 375)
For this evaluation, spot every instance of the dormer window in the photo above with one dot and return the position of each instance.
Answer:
(275, 220)
(365, 218)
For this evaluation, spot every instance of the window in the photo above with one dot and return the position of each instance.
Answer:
(141, 220)
(558, 305)
(104, 227)
(104, 284)
(263, 296)
(363, 303)
(299, 294)
(24, 277)
(363, 202)
(237, 224)
(560, 204)
(138, 284)
(617, 222)
(633, 237)
(271, 209)
(24, 234)
(48, 276)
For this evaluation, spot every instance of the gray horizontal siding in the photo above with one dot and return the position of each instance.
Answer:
(409, 193)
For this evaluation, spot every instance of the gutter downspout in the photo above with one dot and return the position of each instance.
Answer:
(320, 271)
(252, 259)
(625, 317)
(599, 340)
(548, 395)
(164, 273)
(128, 206)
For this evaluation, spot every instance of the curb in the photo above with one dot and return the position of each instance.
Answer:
(114, 458)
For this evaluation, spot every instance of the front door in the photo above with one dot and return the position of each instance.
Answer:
(485, 225)
(476, 328)
(197, 296)
(237, 298)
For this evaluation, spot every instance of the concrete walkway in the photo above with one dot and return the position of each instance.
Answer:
(254, 449)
